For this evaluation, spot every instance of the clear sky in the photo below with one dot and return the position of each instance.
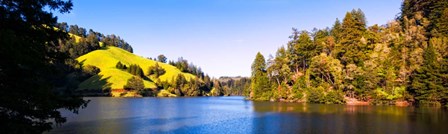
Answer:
(220, 36)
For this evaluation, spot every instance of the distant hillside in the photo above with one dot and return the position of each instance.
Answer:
(237, 85)
(228, 78)
(104, 64)
(106, 59)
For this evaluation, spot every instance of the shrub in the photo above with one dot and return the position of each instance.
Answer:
(316, 95)
(334, 97)
(134, 83)
(319, 95)
(165, 93)
(156, 70)
(136, 70)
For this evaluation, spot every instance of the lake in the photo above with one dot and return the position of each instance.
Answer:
(235, 115)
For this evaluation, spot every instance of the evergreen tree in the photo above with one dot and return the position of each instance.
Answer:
(320, 38)
(351, 50)
(306, 49)
(301, 50)
(134, 83)
(136, 70)
(260, 88)
(336, 30)
(427, 83)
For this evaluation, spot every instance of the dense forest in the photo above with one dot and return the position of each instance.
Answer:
(403, 61)
(83, 42)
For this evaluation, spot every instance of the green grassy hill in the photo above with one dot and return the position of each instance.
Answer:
(111, 77)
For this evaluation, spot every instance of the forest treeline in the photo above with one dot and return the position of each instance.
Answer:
(202, 85)
(83, 41)
(405, 60)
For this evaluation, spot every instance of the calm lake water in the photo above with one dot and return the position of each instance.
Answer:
(235, 115)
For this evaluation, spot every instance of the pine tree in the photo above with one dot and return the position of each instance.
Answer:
(336, 30)
(427, 83)
(303, 50)
(351, 50)
(260, 88)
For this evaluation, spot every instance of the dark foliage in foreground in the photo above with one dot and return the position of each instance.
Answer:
(32, 67)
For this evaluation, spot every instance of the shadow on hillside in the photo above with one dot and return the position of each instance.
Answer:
(104, 48)
(96, 86)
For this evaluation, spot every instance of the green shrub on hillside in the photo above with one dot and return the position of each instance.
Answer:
(134, 83)
(156, 70)
(136, 70)
(121, 66)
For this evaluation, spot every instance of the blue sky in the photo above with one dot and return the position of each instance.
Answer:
(220, 36)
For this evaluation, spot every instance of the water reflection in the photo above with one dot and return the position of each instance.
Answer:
(315, 118)
(236, 115)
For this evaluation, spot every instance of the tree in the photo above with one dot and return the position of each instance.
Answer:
(434, 10)
(320, 38)
(412, 46)
(351, 50)
(29, 98)
(278, 68)
(156, 70)
(161, 58)
(327, 69)
(427, 82)
(260, 88)
(136, 70)
(217, 89)
(134, 83)
(63, 26)
(336, 30)
(306, 49)
(301, 51)
(119, 65)
(359, 18)
(179, 83)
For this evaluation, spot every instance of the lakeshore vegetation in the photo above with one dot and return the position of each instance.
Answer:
(46, 66)
(403, 61)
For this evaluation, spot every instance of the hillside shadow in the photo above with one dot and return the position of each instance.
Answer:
(96, 86)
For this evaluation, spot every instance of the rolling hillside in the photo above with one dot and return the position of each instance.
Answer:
(112, 78)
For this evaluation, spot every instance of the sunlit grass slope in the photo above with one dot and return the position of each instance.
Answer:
(106, 59)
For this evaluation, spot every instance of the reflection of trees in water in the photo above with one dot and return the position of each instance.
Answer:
(318, 118)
